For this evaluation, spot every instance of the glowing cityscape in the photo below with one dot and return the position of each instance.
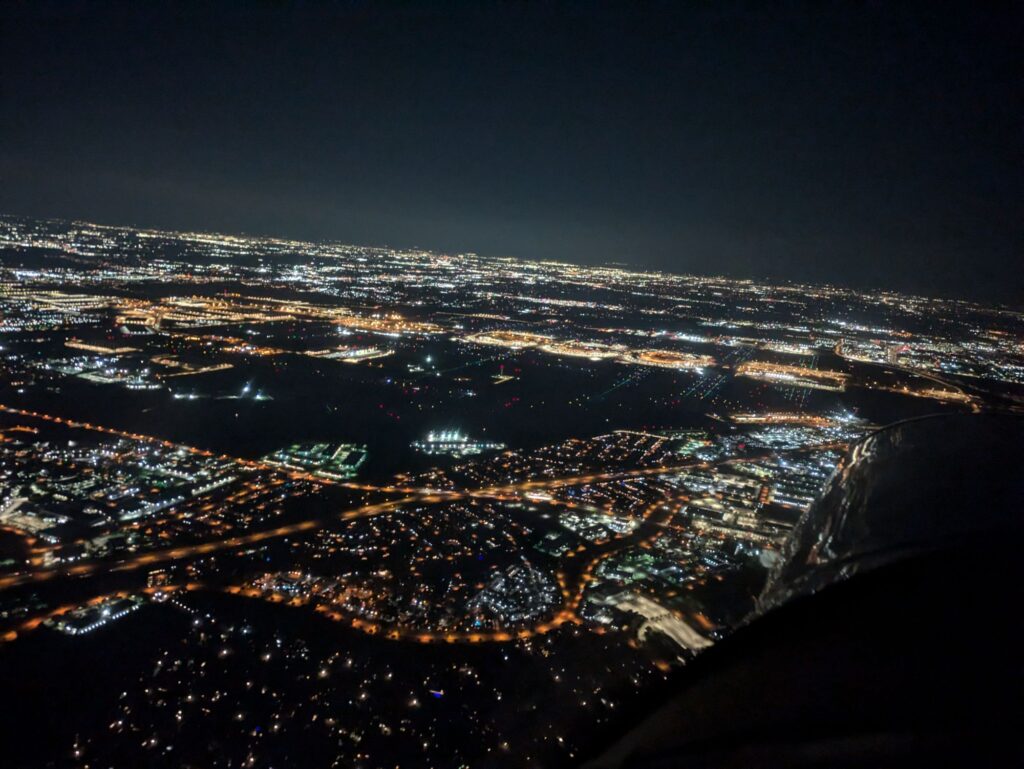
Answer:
(325, 495)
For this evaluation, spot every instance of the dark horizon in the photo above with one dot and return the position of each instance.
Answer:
(868, 147)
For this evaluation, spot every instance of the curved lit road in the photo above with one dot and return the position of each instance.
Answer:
(571, 589)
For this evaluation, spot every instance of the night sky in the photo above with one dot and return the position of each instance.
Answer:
(868, 144)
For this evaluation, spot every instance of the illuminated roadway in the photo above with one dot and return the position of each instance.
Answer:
(429, 496)
(571, 594)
